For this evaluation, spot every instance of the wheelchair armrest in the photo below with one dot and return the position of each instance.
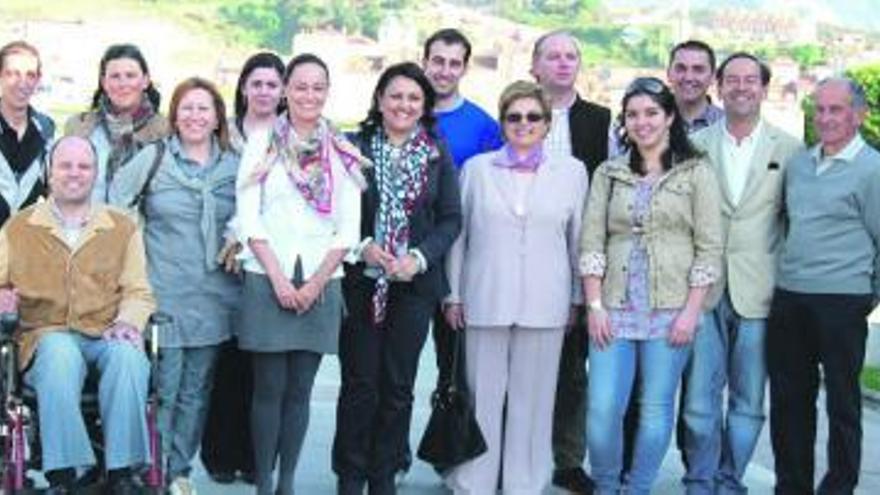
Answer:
(152, 333)
(8, 325)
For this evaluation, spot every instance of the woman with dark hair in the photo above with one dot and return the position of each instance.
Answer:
(299, 211)
(124, 116)
(227, 451)
(186, 196)
(259, 97)
(410, 216)
(650, 250)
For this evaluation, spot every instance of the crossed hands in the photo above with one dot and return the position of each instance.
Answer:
(8, 300)
(293, 299)
(123, 332)
(401, 269)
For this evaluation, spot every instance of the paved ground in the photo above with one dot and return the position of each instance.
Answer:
(314, 476)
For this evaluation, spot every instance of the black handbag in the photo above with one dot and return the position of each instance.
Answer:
(452, 436)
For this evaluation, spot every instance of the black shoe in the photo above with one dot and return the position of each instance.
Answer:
(222, 477)
(61, 480)
(574, 480)
(248, 477)
(123, 486)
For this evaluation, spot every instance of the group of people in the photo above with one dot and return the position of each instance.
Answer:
(683, 247)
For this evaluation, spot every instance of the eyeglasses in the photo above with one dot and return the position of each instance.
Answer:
(650, 85)
(516, 117)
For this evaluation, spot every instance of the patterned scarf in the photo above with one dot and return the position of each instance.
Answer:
(307, 161)
(121, 129)
(401, 175)
(507, 158)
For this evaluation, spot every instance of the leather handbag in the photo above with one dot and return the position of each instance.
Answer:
(452, 436)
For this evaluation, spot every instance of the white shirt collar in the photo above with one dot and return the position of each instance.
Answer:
(751, 138)
(847, 154)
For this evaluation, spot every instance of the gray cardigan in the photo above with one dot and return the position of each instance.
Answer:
(833, 240)
(510, 270)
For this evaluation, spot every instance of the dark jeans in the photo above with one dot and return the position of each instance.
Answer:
(570, 411)
(379, 366)
(226, 442)
(804, 332)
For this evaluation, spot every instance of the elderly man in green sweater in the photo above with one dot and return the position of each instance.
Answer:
(828, 278)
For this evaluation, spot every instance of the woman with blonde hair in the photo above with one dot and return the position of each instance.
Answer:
(514, 289)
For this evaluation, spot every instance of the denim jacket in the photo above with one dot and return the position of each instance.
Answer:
(682, 232)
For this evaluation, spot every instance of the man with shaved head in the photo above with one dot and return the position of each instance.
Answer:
(76, 274)
(827, 281)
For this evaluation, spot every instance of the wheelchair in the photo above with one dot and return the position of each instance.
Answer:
(19, 425)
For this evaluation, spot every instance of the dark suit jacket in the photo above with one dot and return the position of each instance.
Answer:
(588, 124)
(433, 225)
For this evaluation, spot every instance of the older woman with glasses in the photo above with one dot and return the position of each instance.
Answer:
(514, 286)
(650, 250)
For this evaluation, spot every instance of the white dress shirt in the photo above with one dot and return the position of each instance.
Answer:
(736, 159)
(277, 212)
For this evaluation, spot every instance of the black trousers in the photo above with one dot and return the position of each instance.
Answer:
(379, 366)
(226, 442)
(806, 331)
(570, 410)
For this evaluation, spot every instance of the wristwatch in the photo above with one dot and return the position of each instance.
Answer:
(595, 305)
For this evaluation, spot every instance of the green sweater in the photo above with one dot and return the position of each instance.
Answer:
(833, 237)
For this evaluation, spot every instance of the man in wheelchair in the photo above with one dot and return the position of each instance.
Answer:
(76, 274)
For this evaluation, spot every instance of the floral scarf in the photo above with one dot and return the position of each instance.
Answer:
(121, 129)
(307, 161)
(401, 176)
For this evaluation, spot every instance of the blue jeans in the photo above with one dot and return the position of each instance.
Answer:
(728, 351)
(612, 372)
(57, 375)
(186, 376)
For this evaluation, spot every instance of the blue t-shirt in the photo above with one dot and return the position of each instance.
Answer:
(468, 130)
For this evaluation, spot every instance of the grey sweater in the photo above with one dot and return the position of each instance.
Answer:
(833, 237)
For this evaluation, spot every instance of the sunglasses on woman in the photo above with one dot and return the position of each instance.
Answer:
(516, 117)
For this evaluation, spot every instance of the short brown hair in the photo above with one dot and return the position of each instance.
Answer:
(222, 131)
(519, 90)
(19, 46)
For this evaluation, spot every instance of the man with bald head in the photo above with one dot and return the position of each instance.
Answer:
(76, 274)
(827, 281)
(578, 128)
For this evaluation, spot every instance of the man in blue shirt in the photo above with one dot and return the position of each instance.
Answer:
(467, 129)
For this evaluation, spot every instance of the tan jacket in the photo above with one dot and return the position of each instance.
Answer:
(753, 228)
(683, 231)
(101, 281)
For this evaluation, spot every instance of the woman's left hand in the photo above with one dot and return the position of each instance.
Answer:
(407, 268)
(684, 327)
(307, 295)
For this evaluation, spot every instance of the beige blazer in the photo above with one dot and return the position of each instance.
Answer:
(753, 229)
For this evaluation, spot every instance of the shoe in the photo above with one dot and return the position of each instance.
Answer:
(222, 477)
(574, 480)
(400, 477)
(248, 477)
(182, 486)
(124, 485)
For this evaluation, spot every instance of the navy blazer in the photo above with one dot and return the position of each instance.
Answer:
(433, 226)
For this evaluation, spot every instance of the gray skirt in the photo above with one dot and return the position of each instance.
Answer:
(267, 327)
